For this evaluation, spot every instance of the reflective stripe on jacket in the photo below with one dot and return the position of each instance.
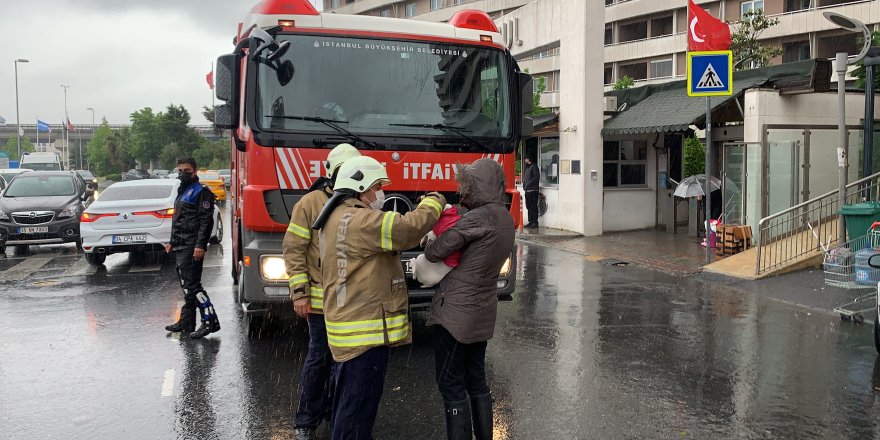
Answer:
(365, 296)
(301, 252)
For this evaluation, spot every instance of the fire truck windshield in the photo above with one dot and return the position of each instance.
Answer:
(433, 93)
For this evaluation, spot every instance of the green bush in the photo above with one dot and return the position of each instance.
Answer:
(694, 157)
(113, 177)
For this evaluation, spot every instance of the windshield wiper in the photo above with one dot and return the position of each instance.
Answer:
(458, 131)
(332, 123)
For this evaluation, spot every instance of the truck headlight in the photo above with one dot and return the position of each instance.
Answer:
(505, 270)
(272, 268)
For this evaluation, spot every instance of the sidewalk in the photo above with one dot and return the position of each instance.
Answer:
(682, 255)
(678, 254)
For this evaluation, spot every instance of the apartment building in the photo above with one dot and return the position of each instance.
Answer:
(647, 39)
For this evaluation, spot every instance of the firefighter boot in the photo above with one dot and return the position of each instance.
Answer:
(210, 323)
(458, 420)
(305, 434)
(186, 323)
(481, 412)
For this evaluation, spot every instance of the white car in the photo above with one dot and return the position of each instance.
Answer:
(9, 173)
(133, 216)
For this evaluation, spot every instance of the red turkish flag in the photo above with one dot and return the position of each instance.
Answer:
(706, 32)
(70, 126)
(210, 79)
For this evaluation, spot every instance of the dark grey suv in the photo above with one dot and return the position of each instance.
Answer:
(42, 207)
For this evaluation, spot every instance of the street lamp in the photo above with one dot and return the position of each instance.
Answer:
(841, 62)
(17, 121)
(66, 131)
(93, 129)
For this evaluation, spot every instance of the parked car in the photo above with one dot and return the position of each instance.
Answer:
(42, 207)
(213, 181)
(172, 175)
(9, 173)
(133, 216)
(159, 174)
(135, 174)
(41, 161)
(89, 178)
(226, 174)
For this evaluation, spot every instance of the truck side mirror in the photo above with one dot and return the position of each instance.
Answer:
(225, 88)
(524, 82)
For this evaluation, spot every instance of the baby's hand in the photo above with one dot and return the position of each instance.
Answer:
(429, 237)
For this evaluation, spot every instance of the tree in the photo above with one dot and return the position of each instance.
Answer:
(208, 113)
(694, 157)
(624, 83)
(859, 72)
(537, 110)
(12, 147)
(146, 135)
(748, 52)
(99, 158)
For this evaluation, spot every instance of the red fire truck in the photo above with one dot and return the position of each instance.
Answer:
(419, 97)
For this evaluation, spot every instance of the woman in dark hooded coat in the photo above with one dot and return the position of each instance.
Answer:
(463, 308)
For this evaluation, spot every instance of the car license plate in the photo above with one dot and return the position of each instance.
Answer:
(125, 239)
(33, 230)
(408, 266)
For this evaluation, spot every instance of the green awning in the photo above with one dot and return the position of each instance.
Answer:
(668, 108)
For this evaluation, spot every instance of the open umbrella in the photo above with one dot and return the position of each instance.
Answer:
(693, 186)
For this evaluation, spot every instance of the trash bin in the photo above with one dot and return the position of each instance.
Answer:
(859, 217)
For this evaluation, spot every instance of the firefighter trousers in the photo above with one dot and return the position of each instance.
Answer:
(314, 398)
(357, 389)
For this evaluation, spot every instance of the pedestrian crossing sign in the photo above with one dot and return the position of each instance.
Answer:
(710, 73)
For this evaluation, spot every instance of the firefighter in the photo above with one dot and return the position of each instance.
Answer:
(303, 269)
(190, 230)
(365, 296)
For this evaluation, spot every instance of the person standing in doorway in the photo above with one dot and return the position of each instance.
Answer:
(302, 260)
(190, 230)
(531, 182)
(366, 306)
(464, 306)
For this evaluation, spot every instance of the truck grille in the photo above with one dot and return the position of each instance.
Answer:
(33, 217)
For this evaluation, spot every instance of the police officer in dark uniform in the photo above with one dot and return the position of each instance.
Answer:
(190, 230)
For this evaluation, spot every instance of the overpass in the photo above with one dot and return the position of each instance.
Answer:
(83, 133)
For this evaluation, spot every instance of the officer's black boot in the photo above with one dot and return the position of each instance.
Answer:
(186, 323)
(481, 410)
(210, 323)
(458, 420)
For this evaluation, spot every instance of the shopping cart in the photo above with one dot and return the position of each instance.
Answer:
(846, 265)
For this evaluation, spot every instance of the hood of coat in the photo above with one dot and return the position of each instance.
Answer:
(481, 183)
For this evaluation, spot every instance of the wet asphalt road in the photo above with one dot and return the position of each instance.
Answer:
(584, 350)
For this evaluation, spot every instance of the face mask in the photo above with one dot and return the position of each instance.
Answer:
(380, 200)
(185, 177)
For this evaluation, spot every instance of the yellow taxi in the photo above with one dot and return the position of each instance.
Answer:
(214, 181)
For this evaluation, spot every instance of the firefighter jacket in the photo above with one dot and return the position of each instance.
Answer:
(300, 248)
(193, 217)
(365, 296)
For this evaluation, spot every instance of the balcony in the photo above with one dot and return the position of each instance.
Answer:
(626, 9)
(648, 48)
(811, 20)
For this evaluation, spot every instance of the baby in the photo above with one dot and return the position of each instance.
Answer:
(426, 272)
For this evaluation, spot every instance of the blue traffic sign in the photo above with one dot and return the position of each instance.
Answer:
(710, 73)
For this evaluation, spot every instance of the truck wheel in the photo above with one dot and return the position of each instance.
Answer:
(2, 248)
(95, 259)
(240, 279)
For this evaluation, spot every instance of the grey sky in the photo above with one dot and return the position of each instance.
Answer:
(117, 56)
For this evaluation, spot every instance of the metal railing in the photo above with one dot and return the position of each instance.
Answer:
(810, 226)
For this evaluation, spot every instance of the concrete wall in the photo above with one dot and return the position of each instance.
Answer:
(579, 30)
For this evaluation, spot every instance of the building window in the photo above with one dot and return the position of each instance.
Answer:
(661, 26)
(751, 5)
(334, 3)
(460, 2)
(796, 5)
(411, 10)
(625, 164)
(385, 13)
(797, 51)
(548, 162)
(609, 36)
(609, 74)
(661, 68)
(435, 5)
